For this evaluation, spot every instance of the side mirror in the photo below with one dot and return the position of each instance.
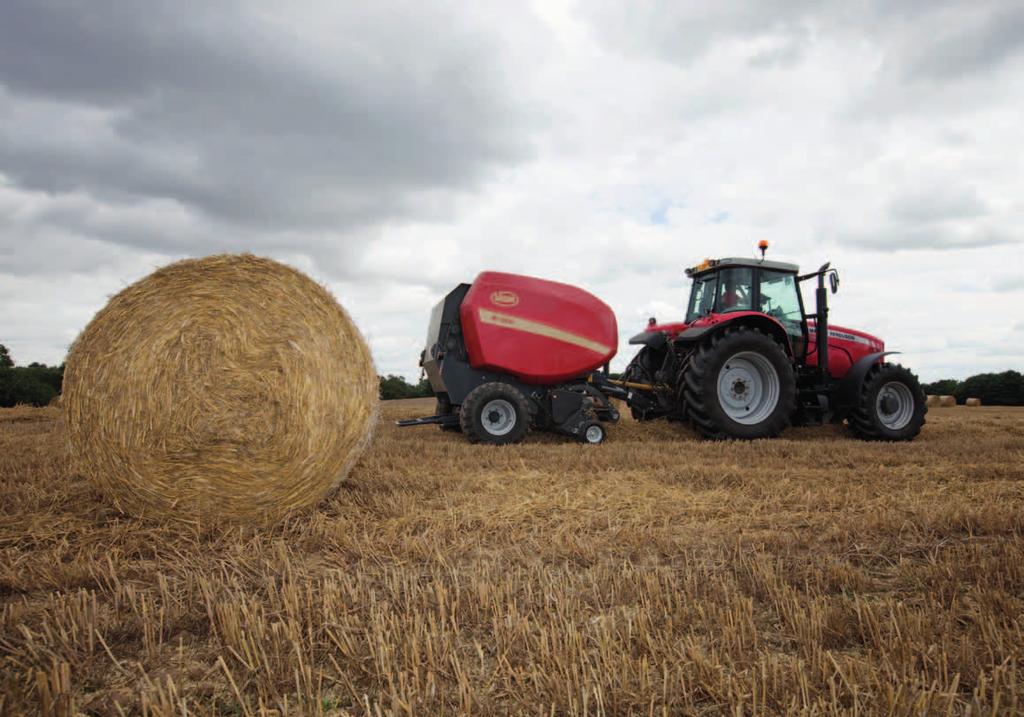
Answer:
(833, 281)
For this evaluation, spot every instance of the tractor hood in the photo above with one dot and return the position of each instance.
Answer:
(845, 345)
(841, 335)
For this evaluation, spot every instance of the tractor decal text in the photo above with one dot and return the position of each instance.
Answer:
(536, 328)
(833, 334)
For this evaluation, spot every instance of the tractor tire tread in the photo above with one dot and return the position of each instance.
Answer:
(700, 387)
(864, 424)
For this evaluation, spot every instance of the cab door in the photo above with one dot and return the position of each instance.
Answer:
(778, 296)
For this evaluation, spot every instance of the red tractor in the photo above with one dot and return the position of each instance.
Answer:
(748, 360)
(511, 352)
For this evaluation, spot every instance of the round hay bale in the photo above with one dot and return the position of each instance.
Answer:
(933, 400)
(229, 387)
(947, 401)
(973, 402)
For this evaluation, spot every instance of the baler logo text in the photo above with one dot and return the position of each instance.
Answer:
(504, 297)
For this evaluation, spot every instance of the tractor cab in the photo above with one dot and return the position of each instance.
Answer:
(722, 287)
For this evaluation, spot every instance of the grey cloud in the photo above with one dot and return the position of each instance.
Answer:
(937, 203)
(924, 238)
(1009, 283)
(934, 216)
(984, 37)
(919, 39)
(783, 54)
(682, 32)
(235, 116)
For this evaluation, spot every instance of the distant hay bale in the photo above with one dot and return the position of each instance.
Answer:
(933, 400)
(229, 387)
(55, 401)
(972, 402)
(947, 401)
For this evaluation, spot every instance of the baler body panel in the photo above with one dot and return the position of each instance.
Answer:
(542, 332)
(845, 347)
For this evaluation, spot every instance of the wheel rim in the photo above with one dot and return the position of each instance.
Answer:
(894, 405)
(594, 434)
(748, 388)
(498, 417)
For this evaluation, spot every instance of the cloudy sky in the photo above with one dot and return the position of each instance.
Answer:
(393, 149)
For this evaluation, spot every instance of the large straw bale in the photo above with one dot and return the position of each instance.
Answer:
(973, 402)
(228, 387)
(947, 401)
(933, 400)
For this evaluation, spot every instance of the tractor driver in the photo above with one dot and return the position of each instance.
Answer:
(735, 294)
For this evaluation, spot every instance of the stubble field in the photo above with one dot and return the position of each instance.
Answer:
(656, 574)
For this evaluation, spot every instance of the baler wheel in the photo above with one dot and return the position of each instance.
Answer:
(495, 413)
(733, 367)
(891, 407)
(592, 433)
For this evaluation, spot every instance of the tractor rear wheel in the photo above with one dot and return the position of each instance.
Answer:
(495, 413)
(891, 406)
(740, 384)
(641, 370)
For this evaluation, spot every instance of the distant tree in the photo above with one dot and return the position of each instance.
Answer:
(392, 387)
(994, 389)
(52, 376)
(35, 384)
(21, 386)
(945, 387)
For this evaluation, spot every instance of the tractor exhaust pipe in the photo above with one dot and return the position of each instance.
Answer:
(821, 321)
(821, 314)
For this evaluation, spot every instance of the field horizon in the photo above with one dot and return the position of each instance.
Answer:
(655, 574)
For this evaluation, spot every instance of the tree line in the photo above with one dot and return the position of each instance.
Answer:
(37, 384)
(993, 389)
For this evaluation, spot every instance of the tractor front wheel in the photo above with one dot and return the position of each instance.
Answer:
(740, 384)
(495, 413)
(891, 407)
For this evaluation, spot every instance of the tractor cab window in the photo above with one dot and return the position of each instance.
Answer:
(702, 297)
(735, 287)
(779, 299)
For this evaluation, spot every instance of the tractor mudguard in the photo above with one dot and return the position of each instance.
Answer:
(764, 323)
(848, 393)
(695, 333)
(654, 339)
